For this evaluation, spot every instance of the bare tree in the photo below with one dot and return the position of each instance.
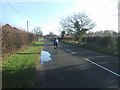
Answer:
(77, 23)
(62, 34)
(38, 32)
(51, 33)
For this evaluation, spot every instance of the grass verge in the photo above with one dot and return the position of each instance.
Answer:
(18, 70)
(93, 47)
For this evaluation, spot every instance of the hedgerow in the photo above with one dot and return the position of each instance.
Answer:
(14, 39)
(106, 41)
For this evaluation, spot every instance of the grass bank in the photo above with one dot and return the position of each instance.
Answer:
(110, 51)
(18, 70)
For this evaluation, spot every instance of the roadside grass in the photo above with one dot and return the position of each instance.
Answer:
(110, 51)
(18, 70)
(38, 44)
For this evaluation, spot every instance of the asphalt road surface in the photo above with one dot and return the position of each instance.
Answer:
(74, 67)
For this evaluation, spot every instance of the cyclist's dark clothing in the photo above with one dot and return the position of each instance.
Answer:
(55, 43)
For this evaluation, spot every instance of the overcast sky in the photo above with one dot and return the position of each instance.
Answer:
(48, 13)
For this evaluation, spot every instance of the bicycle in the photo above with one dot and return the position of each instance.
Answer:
(56, 48)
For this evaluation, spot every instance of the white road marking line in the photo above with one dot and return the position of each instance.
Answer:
(102, 67)
(70, 51)
(73, 52)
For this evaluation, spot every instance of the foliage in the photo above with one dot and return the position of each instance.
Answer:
(107, 41)
(62, 34)
(77, 23)
(118, 43)
(103, 33)
(13, 39)
(51, 33)
(38, 32)
(107, 44)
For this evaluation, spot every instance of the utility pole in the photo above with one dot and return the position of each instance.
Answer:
(27, 27)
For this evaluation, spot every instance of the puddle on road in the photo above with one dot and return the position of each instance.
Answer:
(45, 56)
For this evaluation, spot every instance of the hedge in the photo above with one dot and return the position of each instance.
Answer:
(13, 39)
(106, 41)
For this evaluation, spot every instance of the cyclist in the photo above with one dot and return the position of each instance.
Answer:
(56, 43)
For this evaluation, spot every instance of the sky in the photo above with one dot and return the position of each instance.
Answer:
(47, 14)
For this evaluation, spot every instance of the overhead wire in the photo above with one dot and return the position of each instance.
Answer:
(15, 10)
(21, 16)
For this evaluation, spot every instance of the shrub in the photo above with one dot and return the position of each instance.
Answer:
(107, 41)
(13, 39)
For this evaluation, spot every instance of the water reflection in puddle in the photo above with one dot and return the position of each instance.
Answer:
(45, 56)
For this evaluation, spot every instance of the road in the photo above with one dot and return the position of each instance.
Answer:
(74, 67)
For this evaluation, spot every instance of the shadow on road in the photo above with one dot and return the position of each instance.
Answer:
(74, 76)
(25, 53)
